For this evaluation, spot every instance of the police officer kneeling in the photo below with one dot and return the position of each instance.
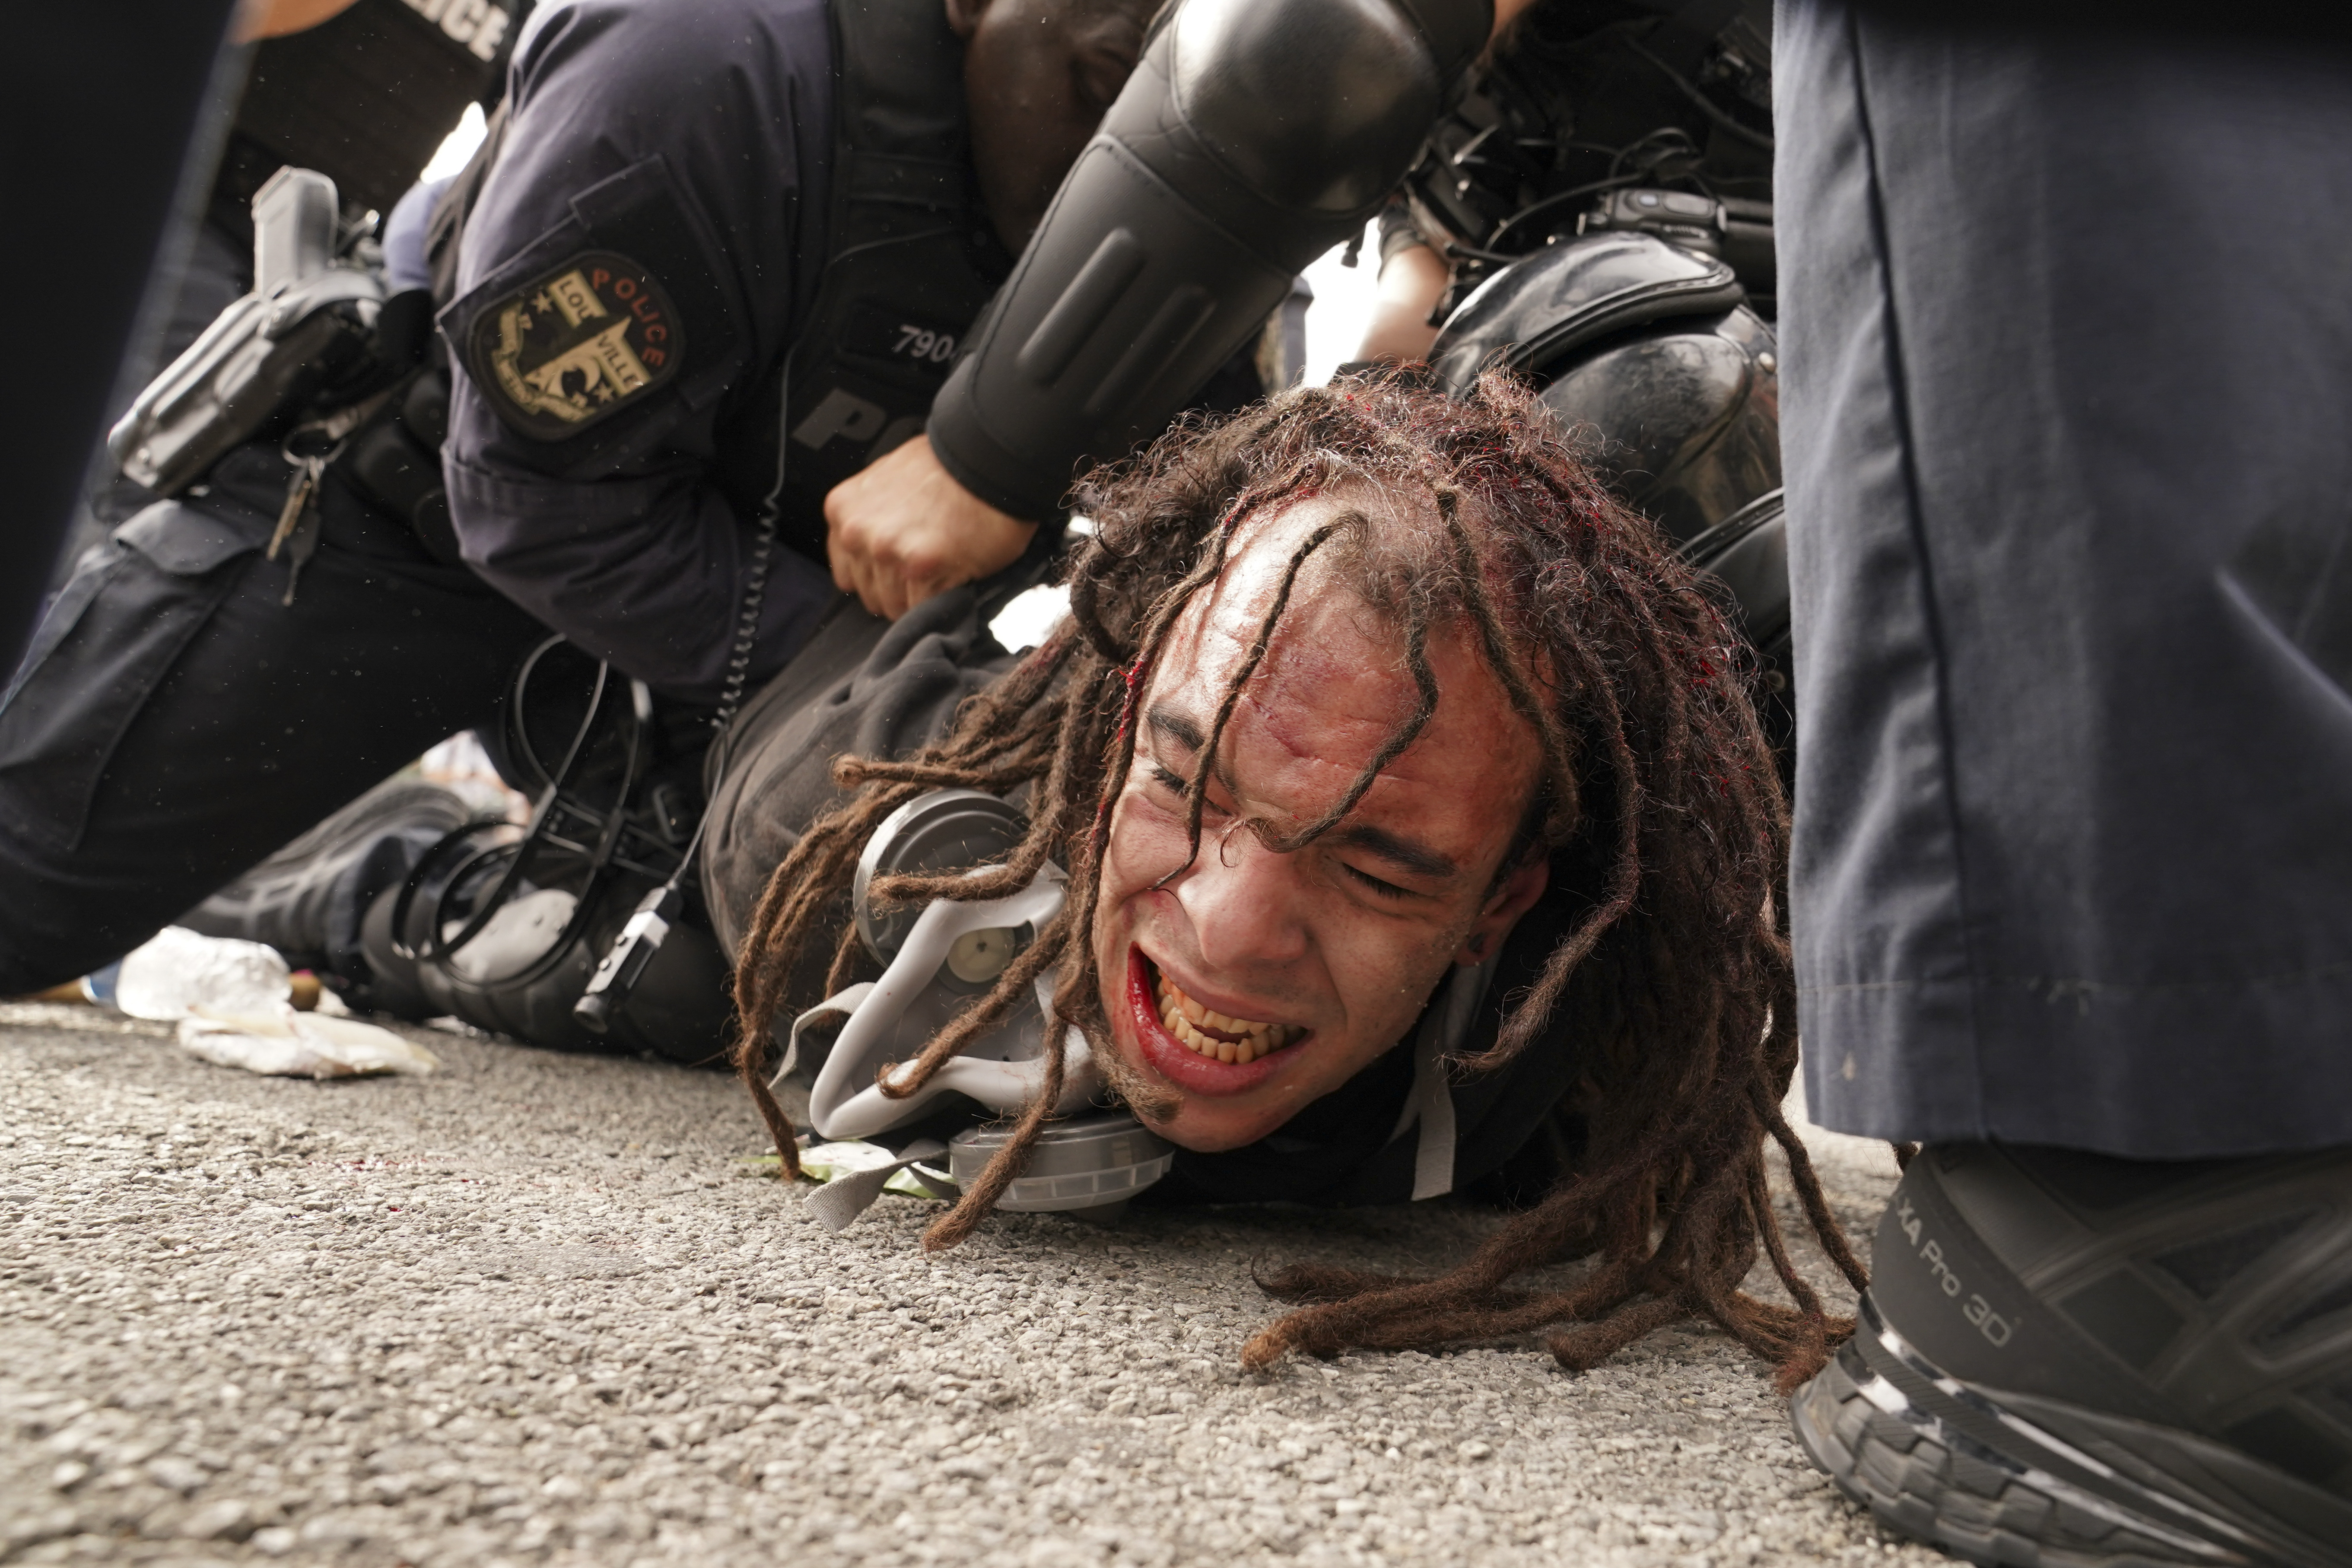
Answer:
(710, 262)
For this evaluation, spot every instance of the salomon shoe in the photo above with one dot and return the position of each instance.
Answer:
(2070, 1360)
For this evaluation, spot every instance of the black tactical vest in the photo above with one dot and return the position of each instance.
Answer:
(364, 97)
(910, 261)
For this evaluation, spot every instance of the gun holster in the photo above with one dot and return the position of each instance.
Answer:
(317, 331)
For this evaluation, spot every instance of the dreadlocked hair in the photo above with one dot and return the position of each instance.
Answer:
(1660, 809)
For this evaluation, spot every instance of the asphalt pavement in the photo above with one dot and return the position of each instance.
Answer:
(539, 1308)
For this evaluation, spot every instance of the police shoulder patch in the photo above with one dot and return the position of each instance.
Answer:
(575, 346)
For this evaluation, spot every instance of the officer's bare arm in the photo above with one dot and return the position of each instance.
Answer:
(276, 19)
(1410, 283)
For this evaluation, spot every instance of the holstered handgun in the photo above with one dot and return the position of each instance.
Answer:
(310, 322)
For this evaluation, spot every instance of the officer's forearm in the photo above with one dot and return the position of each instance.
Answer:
(1254, 136)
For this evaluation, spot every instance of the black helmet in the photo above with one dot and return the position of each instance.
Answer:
(1668, 385)
(1659, 373)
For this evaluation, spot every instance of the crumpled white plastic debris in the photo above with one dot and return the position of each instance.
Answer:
(284, 1043)
(177, 971)
(824, 1162)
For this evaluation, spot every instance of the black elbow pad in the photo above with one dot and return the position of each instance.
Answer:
(1254, 135)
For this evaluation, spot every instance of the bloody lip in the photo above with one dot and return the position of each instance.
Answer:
(1177, 1063)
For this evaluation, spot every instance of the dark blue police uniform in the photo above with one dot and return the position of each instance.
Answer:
(2069, 549)
(664, 152)
(177, 719)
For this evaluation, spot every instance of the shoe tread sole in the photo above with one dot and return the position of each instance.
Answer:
(1930, 1480)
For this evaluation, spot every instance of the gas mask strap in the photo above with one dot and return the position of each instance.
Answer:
(1444, 1024)
(845, 1198)
(846, 1100)
(844, 1002)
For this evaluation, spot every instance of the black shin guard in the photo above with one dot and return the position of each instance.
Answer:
(1254, 135)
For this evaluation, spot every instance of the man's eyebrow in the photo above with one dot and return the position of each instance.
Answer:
(1177, 727)
(1396, 849)
(1417, 858)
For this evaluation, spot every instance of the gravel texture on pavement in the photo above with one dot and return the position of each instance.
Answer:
(537, 1309)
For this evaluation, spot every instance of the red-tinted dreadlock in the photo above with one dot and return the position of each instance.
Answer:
(1662, 815)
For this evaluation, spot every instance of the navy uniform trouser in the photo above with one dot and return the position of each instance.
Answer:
(2067, 341)
(175, 722)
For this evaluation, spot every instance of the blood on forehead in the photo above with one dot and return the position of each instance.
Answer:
(1334, 684)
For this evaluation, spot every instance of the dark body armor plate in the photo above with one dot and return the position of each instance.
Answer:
(910, 263)
(364, 97)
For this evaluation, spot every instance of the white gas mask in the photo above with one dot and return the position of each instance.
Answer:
(937, 960)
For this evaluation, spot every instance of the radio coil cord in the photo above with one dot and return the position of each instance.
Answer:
(633, 951)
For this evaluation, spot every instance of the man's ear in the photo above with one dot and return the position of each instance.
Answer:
(1517, 894)
(964, 17)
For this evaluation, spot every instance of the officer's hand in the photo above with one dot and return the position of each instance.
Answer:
(902, 530)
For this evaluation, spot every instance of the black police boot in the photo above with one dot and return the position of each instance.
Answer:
(309, 900)
(2070, 1360)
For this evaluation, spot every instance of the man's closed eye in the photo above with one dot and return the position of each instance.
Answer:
(1176, 785)
(1374, 884)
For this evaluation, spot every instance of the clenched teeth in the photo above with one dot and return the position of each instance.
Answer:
(1202, 1028)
